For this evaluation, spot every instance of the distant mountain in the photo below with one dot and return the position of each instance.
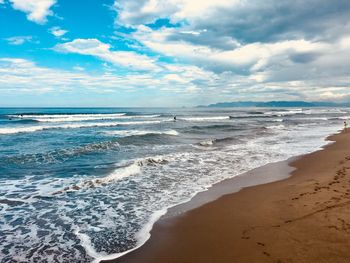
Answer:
(271, 104)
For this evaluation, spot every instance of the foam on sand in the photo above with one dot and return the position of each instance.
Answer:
(142, 236)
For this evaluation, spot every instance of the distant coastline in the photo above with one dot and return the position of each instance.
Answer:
(272, 104)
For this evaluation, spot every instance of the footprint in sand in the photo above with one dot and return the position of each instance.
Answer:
(267, 254)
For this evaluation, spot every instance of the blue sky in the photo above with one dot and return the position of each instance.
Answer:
(172, 53)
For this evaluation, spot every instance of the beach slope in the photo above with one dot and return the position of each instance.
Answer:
(304, 218)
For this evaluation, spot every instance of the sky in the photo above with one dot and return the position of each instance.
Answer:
(154, 53)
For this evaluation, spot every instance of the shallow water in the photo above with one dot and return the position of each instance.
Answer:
(81, 184)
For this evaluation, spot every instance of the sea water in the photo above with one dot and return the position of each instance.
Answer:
(85, 184)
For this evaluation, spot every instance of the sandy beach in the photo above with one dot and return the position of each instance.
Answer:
(303, 218)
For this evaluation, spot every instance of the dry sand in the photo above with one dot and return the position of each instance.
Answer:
(304, 218)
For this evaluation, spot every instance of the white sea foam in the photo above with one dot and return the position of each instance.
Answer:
(79, 117)
(257, 146)
(82, 117)
(204, 119)
(274, 127)
(66, 115)
(85, 242)
(315, 111)
(117, 174)
(126, 133)
(311, 118)
(284, 113)
(211, 167)
(109, 211)
(323, 111)
(23, 129)
(343, 118)
(206, 143)
(142, 236)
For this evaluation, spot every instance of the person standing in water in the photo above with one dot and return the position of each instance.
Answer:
(174, 118)
(345, 125)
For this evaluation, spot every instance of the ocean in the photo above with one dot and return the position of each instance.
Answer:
(84, 184)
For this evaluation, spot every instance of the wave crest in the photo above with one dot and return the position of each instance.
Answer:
(126, 133)
(14, 130)
(118, 174)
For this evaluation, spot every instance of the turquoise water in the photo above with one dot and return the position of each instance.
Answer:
(83, 184)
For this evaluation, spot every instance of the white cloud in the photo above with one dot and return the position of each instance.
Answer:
(21, 75)
(175, 78)
(259, 48)
(147, 11)
(79, 68)
(19, 40)
(36, 10)
(57, 31)
(96, 48)
(253, 56)
(331, 95)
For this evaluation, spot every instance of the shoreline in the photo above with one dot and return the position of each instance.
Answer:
(170, 227)
(273, 171)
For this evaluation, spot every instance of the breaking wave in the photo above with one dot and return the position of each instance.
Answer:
(118, 174)
(126, 133)
(13, 130)
(78, 117)
(276, 127)
(284, 112)
(199, 119)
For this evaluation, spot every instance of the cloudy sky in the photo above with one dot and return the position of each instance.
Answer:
(172, 52)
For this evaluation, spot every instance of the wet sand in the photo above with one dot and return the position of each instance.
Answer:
(303, 218)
